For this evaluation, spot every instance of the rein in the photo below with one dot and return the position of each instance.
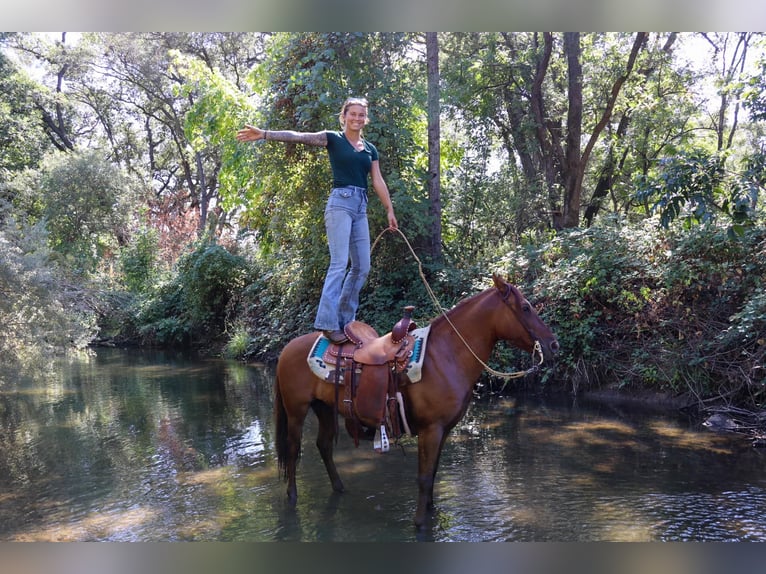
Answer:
(515, 375)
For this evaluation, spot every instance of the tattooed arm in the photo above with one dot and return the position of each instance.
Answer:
(251, 133)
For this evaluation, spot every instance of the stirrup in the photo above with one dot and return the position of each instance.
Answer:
(381, 444)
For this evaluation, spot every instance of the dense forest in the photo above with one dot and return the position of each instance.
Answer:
(616, 178)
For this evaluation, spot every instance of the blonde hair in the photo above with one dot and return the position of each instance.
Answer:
(347, 104)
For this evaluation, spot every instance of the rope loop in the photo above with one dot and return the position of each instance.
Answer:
(514, 375)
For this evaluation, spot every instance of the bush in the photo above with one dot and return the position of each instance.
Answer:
(42, 312)
(138, 261)
(642, 307)
(209, 277)
(595, 296)
(193, 304)
(239, 342)
(276, 306)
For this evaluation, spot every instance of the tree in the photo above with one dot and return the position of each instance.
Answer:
(434, 147)
(22, 141)
(730, 58)
(546, 99)
(83, 201)
(132, 89)
(570, 161)
(41, 311)
(712, 179)
(304, 81)
(650, 112)
(58, 113)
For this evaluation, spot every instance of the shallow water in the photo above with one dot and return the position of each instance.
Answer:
(140, 446)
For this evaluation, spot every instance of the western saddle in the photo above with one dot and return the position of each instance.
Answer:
(366, 367)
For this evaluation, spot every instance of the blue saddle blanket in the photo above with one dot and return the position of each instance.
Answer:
(413, 370)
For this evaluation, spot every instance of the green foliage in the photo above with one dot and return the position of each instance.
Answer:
(41, 312)
(748, 325)
(307, 76)
(238, 344)
(163, 319)
(194, 302)
(210, 276)
(591, 291)
(83, 200)
(22, 141)
(696, 188)
(754, 93)
(278, 304)
(636, 306)
(217, 111)
(139, 261)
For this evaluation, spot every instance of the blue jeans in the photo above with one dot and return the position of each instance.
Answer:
(348, 237)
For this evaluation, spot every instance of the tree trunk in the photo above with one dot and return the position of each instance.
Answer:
(203, 196)
(573, 166)
(575, 161)
(547, 135)
(434, 148)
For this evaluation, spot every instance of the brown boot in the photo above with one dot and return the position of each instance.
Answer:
(337, 336)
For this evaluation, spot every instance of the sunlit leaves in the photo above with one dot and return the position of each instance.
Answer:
(219, 108)
(41, 312)
(697, 188)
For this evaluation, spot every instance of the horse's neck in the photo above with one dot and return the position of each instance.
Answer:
(473, 319)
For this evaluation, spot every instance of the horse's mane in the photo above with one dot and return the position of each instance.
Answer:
(457, 307)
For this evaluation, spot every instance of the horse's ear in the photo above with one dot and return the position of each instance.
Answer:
(506, 288)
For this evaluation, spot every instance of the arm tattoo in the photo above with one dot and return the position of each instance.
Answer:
(316, 138)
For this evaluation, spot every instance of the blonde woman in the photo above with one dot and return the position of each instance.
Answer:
(354, 161)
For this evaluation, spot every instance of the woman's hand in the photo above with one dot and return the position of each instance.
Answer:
(392, 223)
(250, 134)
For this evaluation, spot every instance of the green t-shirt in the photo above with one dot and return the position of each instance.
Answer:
(349, 166)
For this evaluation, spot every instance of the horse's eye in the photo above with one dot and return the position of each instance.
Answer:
(525, 307)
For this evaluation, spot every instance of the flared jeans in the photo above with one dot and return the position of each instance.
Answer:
(348, 237)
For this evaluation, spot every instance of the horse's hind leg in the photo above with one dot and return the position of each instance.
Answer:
(325, 440)
(294, 432)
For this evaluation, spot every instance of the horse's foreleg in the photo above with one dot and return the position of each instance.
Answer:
(430, 442)
(325, 440)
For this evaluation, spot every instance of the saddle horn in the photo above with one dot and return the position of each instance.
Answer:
(404, 325)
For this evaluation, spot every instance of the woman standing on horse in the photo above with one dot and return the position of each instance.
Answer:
(353, 159)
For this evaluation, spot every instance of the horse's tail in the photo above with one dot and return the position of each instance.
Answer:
(280, 440)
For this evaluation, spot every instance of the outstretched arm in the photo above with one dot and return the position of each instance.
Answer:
(251, 133)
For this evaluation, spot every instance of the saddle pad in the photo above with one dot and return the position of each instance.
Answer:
(413, 370)
(316, 362)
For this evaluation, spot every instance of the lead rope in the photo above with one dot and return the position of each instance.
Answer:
(515, 375)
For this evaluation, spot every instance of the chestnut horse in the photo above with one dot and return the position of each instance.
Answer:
(434, 405)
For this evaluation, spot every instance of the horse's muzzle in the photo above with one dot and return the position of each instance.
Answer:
(549, 349)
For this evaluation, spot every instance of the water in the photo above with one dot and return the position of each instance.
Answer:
(139, 446)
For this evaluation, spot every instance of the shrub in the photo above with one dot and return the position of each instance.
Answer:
(209, 277)
(138, 261)
(644, 307)
(193, 304)
(239, 342)
(42, 312)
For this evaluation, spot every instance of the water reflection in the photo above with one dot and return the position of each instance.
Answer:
(127, 446)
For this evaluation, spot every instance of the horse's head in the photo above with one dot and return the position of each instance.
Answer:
(525, 327)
